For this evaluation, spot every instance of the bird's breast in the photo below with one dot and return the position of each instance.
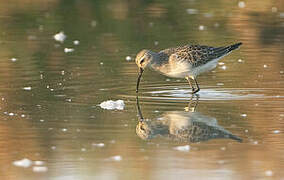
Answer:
(174, 70)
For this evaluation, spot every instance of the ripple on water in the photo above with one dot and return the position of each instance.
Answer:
(180, 93)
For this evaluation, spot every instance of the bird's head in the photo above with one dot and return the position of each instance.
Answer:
(143, 59)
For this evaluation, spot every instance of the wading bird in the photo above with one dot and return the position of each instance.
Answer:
(182, 62)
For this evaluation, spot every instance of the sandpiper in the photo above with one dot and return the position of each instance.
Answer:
(182, 62)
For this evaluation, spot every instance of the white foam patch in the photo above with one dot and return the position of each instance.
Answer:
(276, 131)
(128, 58)
(76, 42)
(14, 59)
(240, 60)
(244, 115)
(192, 11)
(27, 88)
(98, 144)
(185, 148)
(274, 9)
(25, 163)
(241, 4)
(39, 163)
(111, 105)
(60, 37)
(269, 173)
(201, 27)
(40, 169)
(68, 50)
(115, 158)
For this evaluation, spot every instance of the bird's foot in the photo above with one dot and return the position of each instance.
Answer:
(194, 90)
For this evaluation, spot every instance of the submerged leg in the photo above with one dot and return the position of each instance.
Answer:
(196, 90)
(192, 87)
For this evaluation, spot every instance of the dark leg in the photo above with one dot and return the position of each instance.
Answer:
(195, 90)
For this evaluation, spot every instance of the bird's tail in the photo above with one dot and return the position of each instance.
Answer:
(234, 46)
(231, 136)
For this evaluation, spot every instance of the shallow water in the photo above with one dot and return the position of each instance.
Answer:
(49, 99)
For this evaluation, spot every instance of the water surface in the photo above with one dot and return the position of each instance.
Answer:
(49, 99)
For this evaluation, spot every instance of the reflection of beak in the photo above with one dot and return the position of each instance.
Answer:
(141, 119)
(139, 77)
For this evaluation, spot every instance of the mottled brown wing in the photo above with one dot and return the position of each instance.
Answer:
(195, 55)
(198, 55)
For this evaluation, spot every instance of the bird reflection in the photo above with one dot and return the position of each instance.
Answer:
(187, 126)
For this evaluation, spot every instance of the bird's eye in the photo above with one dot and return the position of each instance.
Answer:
(142, 61)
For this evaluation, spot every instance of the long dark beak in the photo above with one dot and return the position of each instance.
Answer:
(139, 77)
(139, 110)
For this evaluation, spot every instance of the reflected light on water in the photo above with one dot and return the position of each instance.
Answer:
(50, 91)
